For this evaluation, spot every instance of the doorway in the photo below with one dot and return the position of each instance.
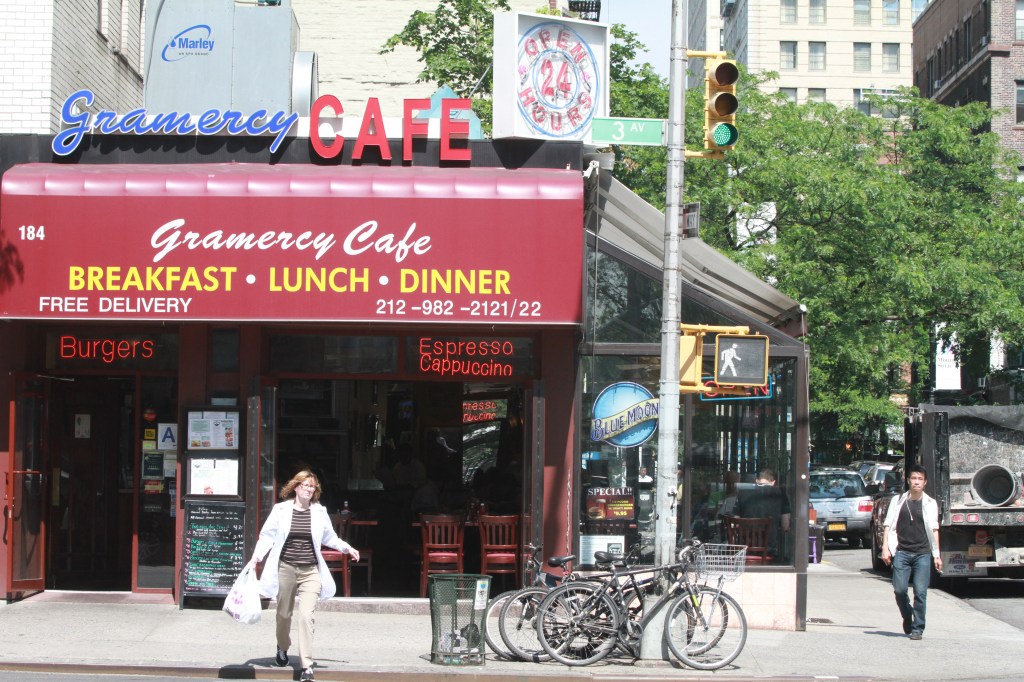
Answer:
(90, 505)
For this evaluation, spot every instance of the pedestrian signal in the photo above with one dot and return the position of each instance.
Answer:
(741, 360)
(690, 349)
(720, 79)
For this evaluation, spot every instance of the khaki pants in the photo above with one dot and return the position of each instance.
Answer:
(297, 595)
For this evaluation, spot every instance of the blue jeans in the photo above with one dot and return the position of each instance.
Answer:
(908, 567)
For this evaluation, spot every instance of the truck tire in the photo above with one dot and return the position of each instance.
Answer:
(876, 561)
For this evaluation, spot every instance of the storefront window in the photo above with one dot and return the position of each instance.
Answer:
(157, 480)
(738, 442)
(623, 305)
(308, 353)
(619, 453)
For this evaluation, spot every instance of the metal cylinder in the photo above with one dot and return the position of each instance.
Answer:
(995, 485)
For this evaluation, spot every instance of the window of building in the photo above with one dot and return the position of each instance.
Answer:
(890, 57)
(863, 106)
(787, 12)
(1020, 20)
(817, 12)
(816, 56)
(862, 56)
(891, 12)
(862, 12)
(815, 94)
(1020, 103)
(790, 93)
(787, 55)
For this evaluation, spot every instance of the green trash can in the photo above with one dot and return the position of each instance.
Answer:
(458, 605)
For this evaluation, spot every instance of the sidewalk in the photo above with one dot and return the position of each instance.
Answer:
(853, 633)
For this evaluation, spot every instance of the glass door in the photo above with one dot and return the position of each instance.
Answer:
(25, 527)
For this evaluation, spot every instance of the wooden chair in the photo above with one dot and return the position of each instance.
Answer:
(754, 533)
(499, 544)
(337, 563)
(356, 532)
(442, 537)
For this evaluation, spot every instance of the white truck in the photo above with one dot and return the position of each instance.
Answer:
(975, 462)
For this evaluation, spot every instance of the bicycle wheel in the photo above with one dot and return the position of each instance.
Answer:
(577, 624)
(706, 629)
(492, 633)
(518, 624)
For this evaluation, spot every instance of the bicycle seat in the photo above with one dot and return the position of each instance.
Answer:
(561, 561)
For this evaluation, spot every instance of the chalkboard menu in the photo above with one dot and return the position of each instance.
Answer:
(213, 552)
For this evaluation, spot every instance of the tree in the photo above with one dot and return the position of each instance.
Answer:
(455, 43)
(882, 227)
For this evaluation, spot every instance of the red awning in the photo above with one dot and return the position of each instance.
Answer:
(286, 242)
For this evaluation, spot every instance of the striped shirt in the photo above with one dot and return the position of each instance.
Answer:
(298, 547)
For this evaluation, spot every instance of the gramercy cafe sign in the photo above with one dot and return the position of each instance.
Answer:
(77, 122)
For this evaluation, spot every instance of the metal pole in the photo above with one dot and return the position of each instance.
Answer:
(665, 504)
(668, 416)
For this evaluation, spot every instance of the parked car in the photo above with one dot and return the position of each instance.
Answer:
(891, 486)
(862, 466)
(876, 474)
(843, 503)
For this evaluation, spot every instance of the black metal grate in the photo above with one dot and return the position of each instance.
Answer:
(589, 10)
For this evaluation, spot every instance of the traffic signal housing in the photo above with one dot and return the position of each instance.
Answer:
(720, 79)
(741, 360)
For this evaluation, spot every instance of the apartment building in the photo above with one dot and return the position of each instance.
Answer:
(825, 50)
(974, 52)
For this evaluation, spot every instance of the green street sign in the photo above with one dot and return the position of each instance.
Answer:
(639, 131)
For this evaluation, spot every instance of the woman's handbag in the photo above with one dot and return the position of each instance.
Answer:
(243, 601)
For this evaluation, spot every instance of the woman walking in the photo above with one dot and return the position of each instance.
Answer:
(295, 572)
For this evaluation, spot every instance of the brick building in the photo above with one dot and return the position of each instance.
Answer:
(974, 52)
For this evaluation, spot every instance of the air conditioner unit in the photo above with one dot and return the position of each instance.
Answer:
(984, 41)
(727, 7)
(937, 84)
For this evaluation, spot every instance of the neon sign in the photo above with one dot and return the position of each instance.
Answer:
(471, 358)
(484, 410)
(108, 350)
(738, 392)
(76, 123)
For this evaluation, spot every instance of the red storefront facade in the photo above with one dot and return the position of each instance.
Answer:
(340, 317)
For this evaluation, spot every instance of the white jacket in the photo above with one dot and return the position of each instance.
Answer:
(931, 521)
(275, 532)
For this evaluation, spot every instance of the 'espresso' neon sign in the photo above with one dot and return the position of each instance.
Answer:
(77, 123)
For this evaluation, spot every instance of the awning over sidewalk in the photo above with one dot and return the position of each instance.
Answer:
(630, 223)
(293, 242)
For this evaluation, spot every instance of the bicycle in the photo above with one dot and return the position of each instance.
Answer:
(510, 633)
(579, 623)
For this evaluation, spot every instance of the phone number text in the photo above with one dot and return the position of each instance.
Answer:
(444, 308)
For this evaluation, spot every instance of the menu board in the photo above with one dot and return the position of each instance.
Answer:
(213, 552)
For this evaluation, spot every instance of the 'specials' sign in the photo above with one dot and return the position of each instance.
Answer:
(255, 242)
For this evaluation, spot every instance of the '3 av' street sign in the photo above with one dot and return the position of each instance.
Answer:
(639, 131)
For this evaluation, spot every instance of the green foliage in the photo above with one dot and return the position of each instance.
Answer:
(882, 227)
(455, 43)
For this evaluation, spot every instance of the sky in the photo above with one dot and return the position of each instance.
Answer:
(651, 20)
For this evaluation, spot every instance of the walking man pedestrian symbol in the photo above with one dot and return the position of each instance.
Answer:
(727, 357)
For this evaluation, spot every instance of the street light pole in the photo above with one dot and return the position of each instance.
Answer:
(668, 415)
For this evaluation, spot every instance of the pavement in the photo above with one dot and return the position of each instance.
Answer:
(853, 633)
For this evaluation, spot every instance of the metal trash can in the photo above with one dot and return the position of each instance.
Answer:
(458, 605)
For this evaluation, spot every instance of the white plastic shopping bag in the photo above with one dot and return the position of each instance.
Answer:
(243, 601)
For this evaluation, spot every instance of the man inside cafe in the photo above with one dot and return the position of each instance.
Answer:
(767, 500)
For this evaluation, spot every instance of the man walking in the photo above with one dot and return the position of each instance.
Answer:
(912, 529)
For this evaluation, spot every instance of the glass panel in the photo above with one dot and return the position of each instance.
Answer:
(816, 58)
(891, 10)
(815, 94)
(790, 93)
(736, 438)
(157, 492)
(861, 12)
(891, 57)
(862, 56)
(224, 350)
(817, 12)
(624, 306)
(1020, 20)
(787, 55)
(341, 354)
(787, 12)
(27, 506)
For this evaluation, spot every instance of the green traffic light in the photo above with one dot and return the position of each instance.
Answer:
(725, 134)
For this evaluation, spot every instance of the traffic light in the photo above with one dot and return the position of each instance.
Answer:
(690, 349)
(741, 360)
(720, 79)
